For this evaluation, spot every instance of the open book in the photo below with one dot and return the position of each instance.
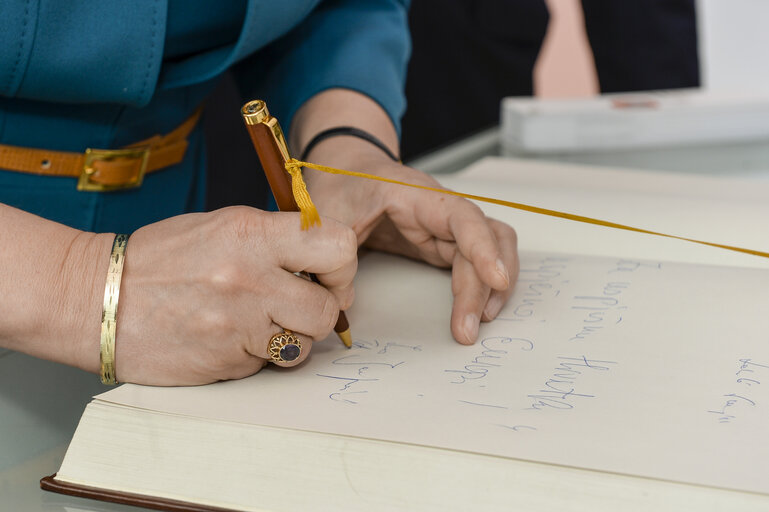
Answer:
(607, 383)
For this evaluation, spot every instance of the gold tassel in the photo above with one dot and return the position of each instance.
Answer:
(309, 214)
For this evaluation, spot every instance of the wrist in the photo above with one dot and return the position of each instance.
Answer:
(80, 292)
(347, 131)
(349, 153)
(49, 288)
(341, 107)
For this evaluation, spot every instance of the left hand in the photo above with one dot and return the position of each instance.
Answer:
(445, 231)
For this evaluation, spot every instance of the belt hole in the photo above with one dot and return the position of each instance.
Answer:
(45, 164)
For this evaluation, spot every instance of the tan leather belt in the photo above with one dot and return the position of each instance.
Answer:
(104, 169)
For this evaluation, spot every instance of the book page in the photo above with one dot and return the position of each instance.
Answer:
(640, 367)
(715, 209)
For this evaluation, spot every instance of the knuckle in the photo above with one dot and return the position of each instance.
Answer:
(447, 252)
(245, 223)
(472, 208)
(504, 231)
(510, 233)
(227, 277)
(329, 312)
(513, 234)
(347, 244)
(464, 208)
(456, 287)
(215, 322)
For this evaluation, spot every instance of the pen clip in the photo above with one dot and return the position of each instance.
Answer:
(255, 112)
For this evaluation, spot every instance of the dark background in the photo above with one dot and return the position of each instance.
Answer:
(469, 54)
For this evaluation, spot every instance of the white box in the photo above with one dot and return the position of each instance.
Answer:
(610, 122)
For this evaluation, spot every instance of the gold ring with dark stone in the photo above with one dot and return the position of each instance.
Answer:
(284, 347)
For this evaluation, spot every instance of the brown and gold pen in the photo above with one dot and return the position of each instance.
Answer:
(272, 149)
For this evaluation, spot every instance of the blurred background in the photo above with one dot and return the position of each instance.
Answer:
(470, 54)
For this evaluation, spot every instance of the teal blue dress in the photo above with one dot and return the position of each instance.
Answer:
(107, 73)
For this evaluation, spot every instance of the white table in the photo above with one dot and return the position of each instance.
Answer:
(40, 405)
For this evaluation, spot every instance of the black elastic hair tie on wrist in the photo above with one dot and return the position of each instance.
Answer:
(349, 131)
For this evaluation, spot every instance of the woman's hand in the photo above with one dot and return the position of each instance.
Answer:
(443, 230)
(200, 298)
(202, 294)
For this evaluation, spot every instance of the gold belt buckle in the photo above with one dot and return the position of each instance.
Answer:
(86, 182)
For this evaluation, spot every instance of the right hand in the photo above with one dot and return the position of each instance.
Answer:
(203, 293)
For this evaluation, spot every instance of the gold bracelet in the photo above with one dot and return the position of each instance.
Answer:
(109, 313)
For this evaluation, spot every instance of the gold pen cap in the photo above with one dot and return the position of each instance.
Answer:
(254, 112)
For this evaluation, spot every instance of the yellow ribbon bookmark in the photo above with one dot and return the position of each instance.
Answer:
(294, 167)
(308, 213)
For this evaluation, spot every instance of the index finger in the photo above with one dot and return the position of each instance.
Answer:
(477, 241)
(329, 251)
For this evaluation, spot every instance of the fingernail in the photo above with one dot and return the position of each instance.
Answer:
(493, 307)
(502, 270)
(471, 327)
